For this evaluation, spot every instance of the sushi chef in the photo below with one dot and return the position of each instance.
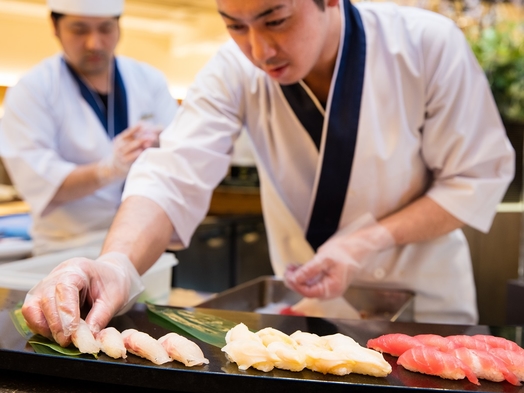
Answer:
(76, 122)
(376, 138)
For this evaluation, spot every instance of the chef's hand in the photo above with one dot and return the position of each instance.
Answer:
(337, 262)
(108, 285)
(127, 146)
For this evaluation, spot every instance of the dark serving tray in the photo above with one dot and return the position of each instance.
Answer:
(220, 375)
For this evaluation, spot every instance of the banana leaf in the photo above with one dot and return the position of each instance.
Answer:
(205, 327)
(40, 344)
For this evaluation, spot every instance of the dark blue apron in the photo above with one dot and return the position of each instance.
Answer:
(342, 128)
(120, 113)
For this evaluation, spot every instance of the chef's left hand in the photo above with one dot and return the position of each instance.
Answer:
(337, 262)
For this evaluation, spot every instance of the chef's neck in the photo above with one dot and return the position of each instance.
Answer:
(98, 81)
(320, 76)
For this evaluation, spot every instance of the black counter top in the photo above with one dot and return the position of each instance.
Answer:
(22, 370)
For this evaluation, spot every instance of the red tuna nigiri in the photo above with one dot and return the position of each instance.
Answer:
(499, 342)
(485, 365)
(434, 340)
(514, 361)
(469, 342)
(394, 344)
(429, 360)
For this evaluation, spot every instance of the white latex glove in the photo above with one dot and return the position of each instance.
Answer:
(337, 262)
(127, 146)
(108, 285)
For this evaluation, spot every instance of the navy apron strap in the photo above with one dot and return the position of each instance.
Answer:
(341, 132)
(306, 111)
(120, 109)
(120, 118)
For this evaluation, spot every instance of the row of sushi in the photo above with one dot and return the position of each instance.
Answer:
(456, 357)
(270, 348)
(116, 345)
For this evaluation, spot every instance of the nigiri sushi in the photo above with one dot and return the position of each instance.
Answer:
(469, 342)
(485, 365)
(434, 340)
(241, 332)
(514, 361)
(249, 353)
(395, 344)
(431, 361)
(367, 361)
(306, 339)
(183, 350)
(269, 335)
(286, 356)
(145, 346)
(499, 342)
(326, 361)
(84, 340)
(111, 343)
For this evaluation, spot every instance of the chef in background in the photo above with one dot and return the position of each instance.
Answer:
(376, 138)
(76, 122)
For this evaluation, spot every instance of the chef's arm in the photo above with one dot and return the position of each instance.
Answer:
(81, 182)
(141, 230)
(421, 220)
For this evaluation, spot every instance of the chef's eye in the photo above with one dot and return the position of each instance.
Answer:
(235, 27)
(275, 23)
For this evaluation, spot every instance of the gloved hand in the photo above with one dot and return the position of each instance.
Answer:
(337, 262)
(127, 146)
(109, 285)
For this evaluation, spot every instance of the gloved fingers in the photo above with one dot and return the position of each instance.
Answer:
(34, 317)
(100, 314)
(129, 133)
(129, 148)
(305, 274)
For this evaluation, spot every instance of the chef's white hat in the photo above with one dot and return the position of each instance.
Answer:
(87, 7)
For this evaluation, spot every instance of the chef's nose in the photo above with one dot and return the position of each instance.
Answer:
(262, 47)
(94, 41)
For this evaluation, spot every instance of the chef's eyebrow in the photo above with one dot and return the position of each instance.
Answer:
(261, 15)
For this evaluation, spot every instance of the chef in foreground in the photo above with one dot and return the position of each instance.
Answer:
(76, 122)
(376, 138)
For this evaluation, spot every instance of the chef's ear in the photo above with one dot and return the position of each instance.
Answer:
(55, 19)
(333, 3)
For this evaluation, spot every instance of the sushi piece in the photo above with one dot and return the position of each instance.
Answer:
(183, 350)
(249, 353)
(241, 332)
(485, 365)
(326, 361)
(499, 342)
(111, 343)
(434, 340)
(305, 339)
(143, 345)
(286, 356)
(269, 335)
(429, 360)
(514, 361)
(367, 361)
(469, 342)
(395, 344)
(84, 340)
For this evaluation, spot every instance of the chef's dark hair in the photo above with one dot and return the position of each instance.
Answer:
(320, 4)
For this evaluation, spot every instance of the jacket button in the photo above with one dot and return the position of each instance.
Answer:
(379, 273)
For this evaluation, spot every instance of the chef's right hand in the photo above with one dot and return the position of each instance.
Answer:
(108, 285)
(127, 146)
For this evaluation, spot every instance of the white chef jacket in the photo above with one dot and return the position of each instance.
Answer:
(428, 125)
(48, 129)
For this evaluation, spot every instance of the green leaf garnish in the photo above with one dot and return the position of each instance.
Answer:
(205, 327)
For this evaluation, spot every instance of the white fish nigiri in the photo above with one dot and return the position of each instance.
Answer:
(241, 332)
(367, 361)
(84, 340)
(183, 350)
(326, 361)
(286, 356)
(249, 353)
(145, 346)
(269, 335)
(305, 339)
(111, 343)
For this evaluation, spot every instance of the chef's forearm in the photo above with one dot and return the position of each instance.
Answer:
(420, 221)
(141, 230)
(82, 181)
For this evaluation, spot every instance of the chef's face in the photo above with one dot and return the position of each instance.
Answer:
(88, 42)
(285, 38)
